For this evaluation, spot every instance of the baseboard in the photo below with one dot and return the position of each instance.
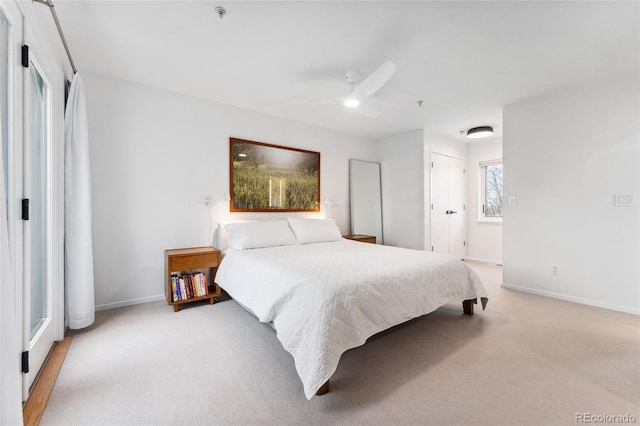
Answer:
(130, 302)
(475, 259)
(582, 301)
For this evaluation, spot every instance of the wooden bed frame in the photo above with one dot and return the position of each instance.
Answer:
(467, 308)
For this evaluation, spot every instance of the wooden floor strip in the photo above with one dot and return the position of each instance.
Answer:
(34, 408)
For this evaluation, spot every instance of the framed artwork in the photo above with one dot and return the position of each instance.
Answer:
(273, 178)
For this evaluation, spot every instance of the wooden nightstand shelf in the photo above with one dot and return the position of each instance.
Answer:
(362, 238)
(187, 259)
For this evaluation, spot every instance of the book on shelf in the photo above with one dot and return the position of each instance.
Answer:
(188, 285)
(174, 291)
(196, 285)
(201, 284)
(183, 289)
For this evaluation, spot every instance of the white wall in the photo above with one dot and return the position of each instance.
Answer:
(154, 153)
(402, 183)
(484, 239)
(565, 156)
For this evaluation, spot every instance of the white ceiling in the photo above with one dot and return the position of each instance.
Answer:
(466, 60)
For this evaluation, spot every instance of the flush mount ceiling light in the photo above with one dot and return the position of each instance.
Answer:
(479, 132)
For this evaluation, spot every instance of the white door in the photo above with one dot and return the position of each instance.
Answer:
(39, 326)
(439, 203)
(448, 205)
(457, 244)
(33, 166)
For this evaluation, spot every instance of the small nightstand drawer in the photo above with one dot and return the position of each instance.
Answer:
(361, 238)
(195, 261)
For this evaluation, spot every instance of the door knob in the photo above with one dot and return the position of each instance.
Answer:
(450, 212)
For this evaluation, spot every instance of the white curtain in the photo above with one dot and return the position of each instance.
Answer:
(78, 266)
(10, 374)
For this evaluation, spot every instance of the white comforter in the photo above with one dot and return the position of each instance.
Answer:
(326, 298)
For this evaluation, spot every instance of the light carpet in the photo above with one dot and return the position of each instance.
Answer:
(526, 360)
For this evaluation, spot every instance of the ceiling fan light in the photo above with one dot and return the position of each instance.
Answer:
(351, 103)
(479, 132)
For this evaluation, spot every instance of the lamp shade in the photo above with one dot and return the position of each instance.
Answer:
(479, 132)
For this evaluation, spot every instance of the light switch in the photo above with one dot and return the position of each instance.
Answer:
(512, 201)
(622, 200)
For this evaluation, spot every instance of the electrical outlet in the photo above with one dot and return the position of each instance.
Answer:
(554, 270)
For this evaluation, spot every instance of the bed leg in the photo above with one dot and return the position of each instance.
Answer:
(323, 389)
(467, 306)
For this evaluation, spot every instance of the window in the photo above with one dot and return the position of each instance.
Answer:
(491, 190)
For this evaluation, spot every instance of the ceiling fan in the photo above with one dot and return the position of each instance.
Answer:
(358, 91)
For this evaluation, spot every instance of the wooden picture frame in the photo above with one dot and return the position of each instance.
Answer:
(272, 178)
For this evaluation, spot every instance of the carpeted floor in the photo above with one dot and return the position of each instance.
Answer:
(526, 360)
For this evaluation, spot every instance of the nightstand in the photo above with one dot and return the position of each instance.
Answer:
(187, 259)
(362, 238)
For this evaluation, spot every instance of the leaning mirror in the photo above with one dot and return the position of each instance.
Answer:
(365, 197)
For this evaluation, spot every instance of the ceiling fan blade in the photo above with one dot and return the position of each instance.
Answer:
(375, 81)
(319, 101)
(366, 110)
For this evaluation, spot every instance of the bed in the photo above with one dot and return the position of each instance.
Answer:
(325, 295)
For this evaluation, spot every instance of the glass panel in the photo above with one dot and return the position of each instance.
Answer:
(4, 105)
(493, 191)
(38, 201)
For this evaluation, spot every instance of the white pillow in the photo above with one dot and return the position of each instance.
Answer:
(221, 240)
(314, 230)
(249, 235)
